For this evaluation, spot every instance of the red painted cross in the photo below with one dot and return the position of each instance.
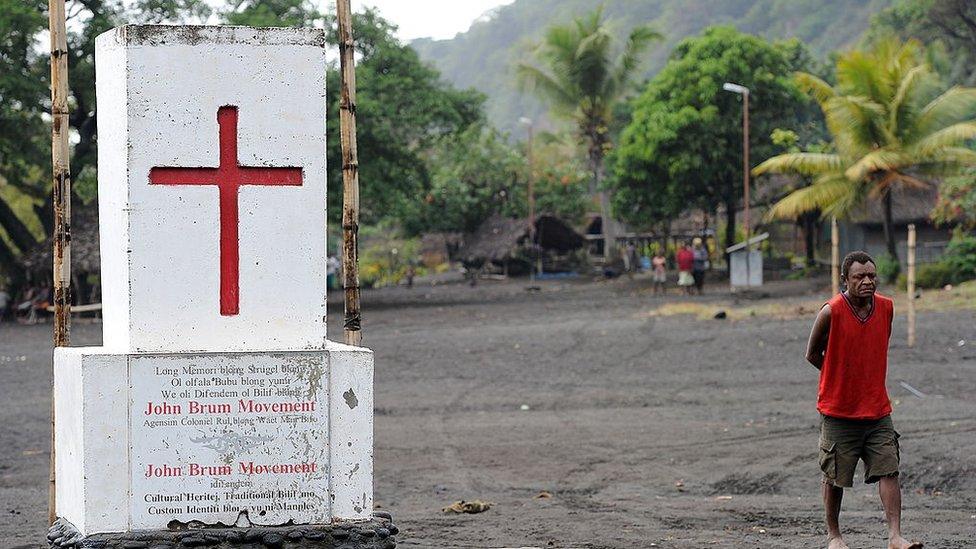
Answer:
(228, 177)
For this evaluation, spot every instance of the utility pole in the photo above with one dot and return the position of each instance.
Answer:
(352, 322)
(744, 92)
(61, 172)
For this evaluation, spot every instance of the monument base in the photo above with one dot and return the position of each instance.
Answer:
(378, 533)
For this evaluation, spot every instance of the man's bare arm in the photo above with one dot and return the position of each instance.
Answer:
(817, 345)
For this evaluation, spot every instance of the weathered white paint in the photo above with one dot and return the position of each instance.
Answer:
(159, 89)
(104, 447)
(192, 392)
(91, 399)
(351, 431)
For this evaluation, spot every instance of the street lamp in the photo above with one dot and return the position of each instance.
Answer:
(744, 92)
(526, 121)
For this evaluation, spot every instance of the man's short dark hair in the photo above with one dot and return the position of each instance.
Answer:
(855, 257)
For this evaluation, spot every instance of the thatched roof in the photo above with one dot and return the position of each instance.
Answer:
(85, 258)
(554, 234)
(499, 238)
(907, 206)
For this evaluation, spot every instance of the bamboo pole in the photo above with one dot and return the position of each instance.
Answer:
(352, 323)
(834, 257)
(911, 285)
(62, 204)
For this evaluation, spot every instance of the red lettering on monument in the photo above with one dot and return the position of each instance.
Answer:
(228, 177)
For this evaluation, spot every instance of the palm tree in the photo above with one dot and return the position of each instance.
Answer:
(890, 127)
(582, 76)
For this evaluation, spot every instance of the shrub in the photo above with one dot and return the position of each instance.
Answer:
(935, 275)
(888, 268)
(960, 254)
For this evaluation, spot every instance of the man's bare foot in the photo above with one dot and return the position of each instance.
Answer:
(899, 542)
(836, 543)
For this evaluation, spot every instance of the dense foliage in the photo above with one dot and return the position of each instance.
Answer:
(403, 110)
(890, 127)
(683, 147)
(958, 264)
(582, 76)
(948, 27)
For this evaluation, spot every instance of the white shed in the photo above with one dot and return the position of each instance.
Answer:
(743, 272)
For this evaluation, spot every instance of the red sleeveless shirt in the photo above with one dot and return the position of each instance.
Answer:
(852, 379)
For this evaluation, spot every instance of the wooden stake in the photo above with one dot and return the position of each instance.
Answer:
(62, 203)
(911, 285)
(352, 323)
(834, 257)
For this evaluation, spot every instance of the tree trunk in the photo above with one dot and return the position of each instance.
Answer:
(606, 222)
(889, 229)
(808, 223)
(8, 261)
(16, 230)
(45, 212)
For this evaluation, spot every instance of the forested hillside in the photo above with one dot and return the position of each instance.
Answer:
(485, 56)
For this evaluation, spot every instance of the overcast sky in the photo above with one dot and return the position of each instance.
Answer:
(430, 18)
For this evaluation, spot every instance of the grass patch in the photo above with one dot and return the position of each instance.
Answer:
(960, 297)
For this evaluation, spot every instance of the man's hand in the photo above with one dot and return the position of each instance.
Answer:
(817, 345)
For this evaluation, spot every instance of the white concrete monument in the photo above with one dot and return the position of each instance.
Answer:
(216, 398)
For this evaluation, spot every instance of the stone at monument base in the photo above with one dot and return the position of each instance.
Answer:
(378, 533)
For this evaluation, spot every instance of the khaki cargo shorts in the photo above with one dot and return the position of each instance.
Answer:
(844, 441)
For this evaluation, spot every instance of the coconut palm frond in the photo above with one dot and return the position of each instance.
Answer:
(880, 160)
(960, 156)
(946, 137)
(856, 123)
(955, 105)
(549, 86)
(801, 163)
(901, 104)
(823, 194)
(637, 43)
(819, 89)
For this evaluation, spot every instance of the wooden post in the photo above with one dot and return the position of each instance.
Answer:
(532, 231)
(62, 202)
(911, 285)
(834, 257)
(352, 323)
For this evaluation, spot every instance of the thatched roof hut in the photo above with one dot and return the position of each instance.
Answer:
(499, 239)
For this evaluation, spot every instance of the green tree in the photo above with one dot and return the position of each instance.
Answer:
(474, 174)
(271, 13)
(25, 200)
(683, 147)
(957, 201)
(890, 127)
(23, 147)
(582, 77)
(947, 26)
(403, 109)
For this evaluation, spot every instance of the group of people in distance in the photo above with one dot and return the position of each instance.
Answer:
(692, 259)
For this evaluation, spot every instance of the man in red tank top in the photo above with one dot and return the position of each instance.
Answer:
(849, 345)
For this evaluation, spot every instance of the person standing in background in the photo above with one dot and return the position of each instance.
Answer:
(685, 259)
(659, 272)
